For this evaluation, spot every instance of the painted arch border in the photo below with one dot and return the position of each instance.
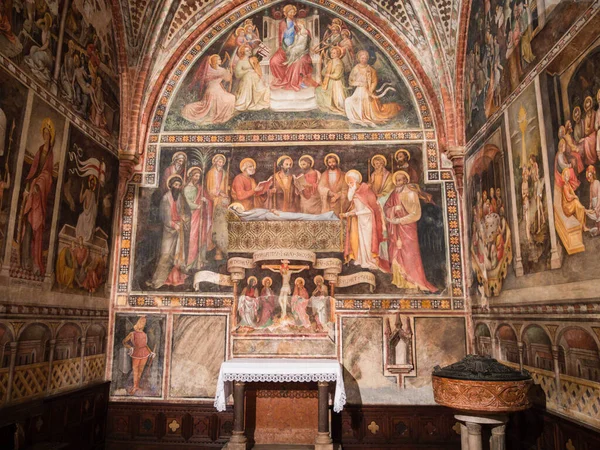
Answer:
(211, 35)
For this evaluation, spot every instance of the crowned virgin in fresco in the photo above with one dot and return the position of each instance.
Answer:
(287, 64)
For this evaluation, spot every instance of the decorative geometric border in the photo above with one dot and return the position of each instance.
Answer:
(545, 62)
(432, 156)
(11, 309)
(57, 103)
(549, 308)
(126, 228)
(206, 40)
(456, 264)
(187, 301)
(274, 137)
(144, 301)
(396, 304)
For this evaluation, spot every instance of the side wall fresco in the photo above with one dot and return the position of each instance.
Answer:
(536, 306)
(267, 217)
(59, 116)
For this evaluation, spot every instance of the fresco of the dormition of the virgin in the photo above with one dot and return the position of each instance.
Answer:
(369, 209)
(288, 67)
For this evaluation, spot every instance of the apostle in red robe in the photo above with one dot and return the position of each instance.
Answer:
(402, 212)
(38, 185)
(245, 190)
(201, 210)
(310, 200)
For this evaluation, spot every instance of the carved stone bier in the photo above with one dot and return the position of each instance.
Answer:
(481, 384)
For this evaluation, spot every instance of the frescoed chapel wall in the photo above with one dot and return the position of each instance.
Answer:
(59, 116)
(532, 263)
(291, 203)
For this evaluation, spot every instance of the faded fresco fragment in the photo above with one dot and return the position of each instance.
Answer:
(292, 67)
(197, 365)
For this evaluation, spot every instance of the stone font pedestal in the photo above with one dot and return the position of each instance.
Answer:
(470, 431)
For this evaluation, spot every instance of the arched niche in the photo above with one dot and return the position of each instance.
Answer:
(507, 340)
(580, 354)
(483, 340)
(6, 337)
(537, 348)
(33, 344)
(67, 342)
(95, 339)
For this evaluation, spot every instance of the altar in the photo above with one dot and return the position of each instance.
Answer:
(238, 372)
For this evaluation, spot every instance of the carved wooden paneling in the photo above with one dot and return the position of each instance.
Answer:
(150, 425)
(73, 420)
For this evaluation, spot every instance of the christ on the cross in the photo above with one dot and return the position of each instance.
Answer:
(286, 272)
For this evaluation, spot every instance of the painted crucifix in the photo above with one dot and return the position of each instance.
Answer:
(286, 272)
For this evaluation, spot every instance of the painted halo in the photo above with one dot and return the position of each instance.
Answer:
(191, 171)
(398, 172)
(283, 158)
(402, 150)
(178, 155)
(354, 172)
(173, 177)
(218, 156)
(245, 161)
(310, 158)
(380, 157)
(331, 155)
(47, 124)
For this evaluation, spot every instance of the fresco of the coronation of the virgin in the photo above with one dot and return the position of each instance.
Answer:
(291, 63)
(286, 229)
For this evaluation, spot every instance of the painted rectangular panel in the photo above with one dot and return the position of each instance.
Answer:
(138, 355)
(489, 216)
(529, 187)
(85, 217)
(31, 244)
(13, 98)
(439, 341)
(198, 349)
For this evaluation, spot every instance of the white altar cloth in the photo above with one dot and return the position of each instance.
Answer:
(280, 370)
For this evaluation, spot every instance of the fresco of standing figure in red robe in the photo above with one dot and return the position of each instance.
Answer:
(38, 185)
